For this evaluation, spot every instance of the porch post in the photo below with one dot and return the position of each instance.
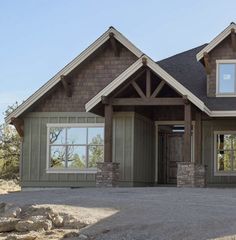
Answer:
(191, 173)
(198, 138)
(108, 133)
(107, 171)
(187, 131)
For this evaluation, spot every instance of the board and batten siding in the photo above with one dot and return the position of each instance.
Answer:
(34, 154)
(208, 150)
(144, 151)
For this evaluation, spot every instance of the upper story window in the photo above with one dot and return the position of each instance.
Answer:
(74, 147)
(226, 77)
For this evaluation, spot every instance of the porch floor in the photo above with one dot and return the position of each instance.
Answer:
(147, 213)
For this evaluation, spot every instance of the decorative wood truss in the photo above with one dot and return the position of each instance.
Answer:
(233, 39)
(147, 93)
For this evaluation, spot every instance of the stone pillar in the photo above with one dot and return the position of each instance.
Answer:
(191, 174)
(107, 174)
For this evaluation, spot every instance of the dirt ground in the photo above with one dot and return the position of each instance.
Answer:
(143, 213)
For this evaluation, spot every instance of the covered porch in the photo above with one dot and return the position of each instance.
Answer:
(165, 131)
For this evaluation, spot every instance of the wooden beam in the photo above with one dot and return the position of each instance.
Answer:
(233, 39)
(126, 85)
(158, 89)
(198, 137)
(207, 62)
(138, 89)
(108, 128)
(105, 100)
(114, 44)
(66, 85)
(147, 101)
(148, 83)
(187, 131)
(19, 125)
(144, 61)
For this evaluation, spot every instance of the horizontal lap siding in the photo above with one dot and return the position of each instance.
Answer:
(208, 149)
(33, 171)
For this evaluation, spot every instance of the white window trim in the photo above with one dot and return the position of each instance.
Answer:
(216, 172)
(218, 62)
(66, 125)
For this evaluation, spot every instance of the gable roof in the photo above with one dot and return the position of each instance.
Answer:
(185, 68)
(219, 38)
(156, 69)
(72, 65)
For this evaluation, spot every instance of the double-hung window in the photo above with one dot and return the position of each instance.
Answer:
(225, 153)
(74, 147)
(226, 77)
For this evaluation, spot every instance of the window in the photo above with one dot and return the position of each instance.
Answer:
(226, 77)
(225, 156)
(74, 147)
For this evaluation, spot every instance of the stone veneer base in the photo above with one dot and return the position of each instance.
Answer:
(107, 174)
(191, 175)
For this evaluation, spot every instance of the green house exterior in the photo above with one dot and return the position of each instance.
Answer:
(114, 117)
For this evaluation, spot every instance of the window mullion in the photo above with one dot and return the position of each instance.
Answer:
(66, 149)
(87, 149)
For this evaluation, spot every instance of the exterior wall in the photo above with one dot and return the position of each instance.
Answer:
(33, 167)
(133, 149)
(90, 78)
(208, 128)
(222, 51)
(123, 146)
(144, 150)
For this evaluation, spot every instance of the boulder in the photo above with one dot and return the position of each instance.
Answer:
(57, 220)
(24, 225)
(35, 223)
(9, 210)
(72, 223)
(8, 224)
(30, 236)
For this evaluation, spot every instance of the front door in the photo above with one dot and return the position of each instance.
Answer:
(170, 153)
(174, 155)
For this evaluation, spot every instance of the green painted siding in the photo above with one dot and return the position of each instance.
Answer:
(208, 150)
(144, 150)
(33, 169)
(133, 148)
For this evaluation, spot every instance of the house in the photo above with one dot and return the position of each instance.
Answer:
(113, 117)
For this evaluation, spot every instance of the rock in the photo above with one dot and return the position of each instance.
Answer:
(8, 224)
(40, 225)
(72, 223)
(57, 220)
(9, 210)
(71, 235)
(33, 224)
(29, 211)
(30, 236)
(24, 225)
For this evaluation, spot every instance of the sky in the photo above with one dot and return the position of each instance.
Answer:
(39, 37)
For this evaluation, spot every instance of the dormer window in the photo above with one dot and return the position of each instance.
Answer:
(226, 77)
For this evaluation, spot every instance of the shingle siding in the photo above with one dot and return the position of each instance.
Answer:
(222, 51)
(90, 78)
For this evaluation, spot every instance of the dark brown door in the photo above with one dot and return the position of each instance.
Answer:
(170, 151)
(174, 155)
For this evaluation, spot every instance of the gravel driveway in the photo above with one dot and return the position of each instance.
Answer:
(146, 213)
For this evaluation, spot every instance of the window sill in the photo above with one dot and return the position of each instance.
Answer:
(225, 174)
(93, 171)
(225, 95)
